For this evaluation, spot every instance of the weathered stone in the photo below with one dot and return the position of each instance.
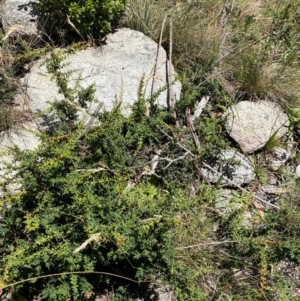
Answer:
(251, 124)
(17, 17)
(225, 203)
(24, 138)
(272, 189)
(159, 293)
(231, 165)
(278, 156)
(229, 201)
(117, 70)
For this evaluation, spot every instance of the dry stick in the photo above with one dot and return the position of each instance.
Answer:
(171, 73)
(191, 127)
(157, 55)
(201, 105)
(227, 179)
(74, 27)
(171, 161)
(90, 122)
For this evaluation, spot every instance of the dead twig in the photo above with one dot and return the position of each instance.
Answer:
(214, 170)
(192, 128)
(90, 122)
(74, 27)
(201, 105)
(171, 161)
(153, 88)
(171, 74)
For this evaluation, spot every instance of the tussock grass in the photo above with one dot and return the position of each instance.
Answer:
(241, 44)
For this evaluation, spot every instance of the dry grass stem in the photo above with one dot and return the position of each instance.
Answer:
(213, 243)
(201, 105)
(97, 237)
(153, 88)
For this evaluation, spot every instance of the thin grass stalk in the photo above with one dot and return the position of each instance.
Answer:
(171, 73)
(157, 55)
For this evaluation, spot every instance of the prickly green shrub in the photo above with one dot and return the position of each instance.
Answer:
(86, 193)
(88, 16)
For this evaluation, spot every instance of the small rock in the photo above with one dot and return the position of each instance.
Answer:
(251, 124)
(225, 203)
(278, 157)
(270, 189)
(158, 293)
(232, 165)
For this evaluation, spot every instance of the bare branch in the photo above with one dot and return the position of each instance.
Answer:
(192, 128)
(153, 164)
(214, 170)
(171, 161)
(201, 105)
(157, 55)
(90, 122)
(171, 74)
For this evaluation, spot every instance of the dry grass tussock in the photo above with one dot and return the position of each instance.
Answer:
(194, 34)
(11, 60)
(232, 41)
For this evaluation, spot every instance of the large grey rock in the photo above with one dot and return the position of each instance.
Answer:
(251, 124)
(17, 16)
(117, 70)
(231, 165)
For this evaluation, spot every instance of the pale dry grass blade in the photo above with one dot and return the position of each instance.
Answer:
(11, 30)
(97, 237)
(153, 88)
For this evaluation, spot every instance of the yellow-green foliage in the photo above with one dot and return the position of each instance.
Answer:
(68, 195)
(88, 16)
